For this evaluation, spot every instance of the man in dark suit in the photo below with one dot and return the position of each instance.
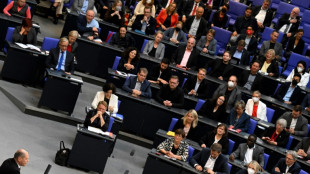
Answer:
(296, 123)
(249, 151)
(221, 68)
(13, 165)
(186, 56)
(271, 44)
(161, 73)
(240, 54)
(145, 23)
(303, 148)
(190, 9)
(251, 79)
(263, 15)
(87, 26)
(60, 59)
(288, 164)
(250, 40)
(138, 85)
(196, 26)
(211, 161)
(197, 86)
(289, 92)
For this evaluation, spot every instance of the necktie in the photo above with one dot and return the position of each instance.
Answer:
(194, 10)
(210, 1)
(286, 29)
(60, 61)
(170, 1)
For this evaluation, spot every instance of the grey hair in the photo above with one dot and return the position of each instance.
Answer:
(240, 104)
(282, 122)
(293, 153)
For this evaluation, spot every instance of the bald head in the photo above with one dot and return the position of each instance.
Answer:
(295, 12)
(21, 157)
(90, 14)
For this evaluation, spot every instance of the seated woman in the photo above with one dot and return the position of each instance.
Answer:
(252, 168)
(19, 8)
(108, 95)
(295, 44)
(220, 18)
(122, 39)
(176, 35)
(255, 107)
(130, 60)
(175, 147)
(115, 14)
(189, 124)
(140, 10)
(72, 47)
(25, 34)
(207, 44)
(215, 109)
(301, 69)
(238, 119)
(219, 135)
(98, 118)
(277, 135)
(167, 18)
(154, 48)
(269, 66)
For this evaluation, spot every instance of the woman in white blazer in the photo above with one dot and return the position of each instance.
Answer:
(300, 68)
(254, 102)
(108, 96)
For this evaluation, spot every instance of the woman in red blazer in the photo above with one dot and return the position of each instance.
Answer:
(167, 17)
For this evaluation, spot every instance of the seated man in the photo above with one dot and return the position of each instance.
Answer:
(248, 151)
(231, 92)
(271, 44)
(221, 68)
(171, 95)
(296, 123)
(250, 40)
(211, 161)
(123, 39)
(176, 35)
(303, 148)
(19, 8)
(186, 56)
(60, 59)
(306, 103)
(138, 85)
(98, 118)
(160, 74)
(240, 54)
(145, 22)
(290, 92)
(196, 26)
(82, 6)
(87, 26)
(13, 165)
(189, 8)
(197, 86)
(263, 15)
(251, 79)
(288, 164)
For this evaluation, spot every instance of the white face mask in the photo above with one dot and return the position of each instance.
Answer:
(255, 99)
(250, 171)
(299, 69)
(118, 8)
(231, 84)
(148, 1)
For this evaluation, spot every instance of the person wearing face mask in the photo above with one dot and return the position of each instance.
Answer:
(230, 91)
(263, 15)
(155, 48)
(295, 44)
(300, 69)
(240, 54)
(189, 124)
(290, 92)
(255, 107)
(207, 44)
(296, 123)
(251, 79)
(220, 17)
(252, 168)
(250, 40)
(220, 68)
(25, 33)
(123, 39)
(176, 35)
(248, 152)
(115, 14)
(238, 119)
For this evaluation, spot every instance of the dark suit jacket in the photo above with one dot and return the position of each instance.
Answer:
(81, 25)
(252, 47)
(208, 140)
(31, 36)
(135, 62)
(281, 140)
(176, 96)
(233, 98)
(207, 109)
(96, 123)
(9, 166)
(145, 86)
(243, 122)
(150, 28)
(154, 73)
(243, 78)
(181, 35)
(299, 47)
(202, 89)
(242, 24)
(245, 58)
(52, 60)
(304, 144)
(301, 127)
(215, 66)
(220, 165)
(127, 41)
(192, 61)
(258, 153)
(294, 169)
(187, 8)
(295, 97)
(192, 133)
(268, 17)
(217, 22)
(284, 20)
(273, 67)
(202, 28)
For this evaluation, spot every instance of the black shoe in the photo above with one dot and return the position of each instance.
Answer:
(55, 20)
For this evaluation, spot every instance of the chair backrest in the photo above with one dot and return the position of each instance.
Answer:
(118, 103)
(9, 34)
(200, 102)
(305, 18)
(231, 146)
(9, 1)
(292, 63)
(275, 91)
(49, 43)
(280, 70)
(270, 113)
(308, 84)
(222, 36)
(266, 35)
(266, 158)
(183, 83)
(190, 153)
(283, 8)
(211, 16)
(236, 9)
(109, 37)
(304, 51)
(110, 124)
(275, 4)
(257, 2)
(302, 4)
(143, 45)
(308, 129)
(252, 127)
(229, 167)
(306, 36)
(69, 4)
(116, 62)
(290, 140)
(172, 124)
(303, 172)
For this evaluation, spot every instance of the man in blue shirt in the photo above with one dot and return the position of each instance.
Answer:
(87, 26)
(289, 92)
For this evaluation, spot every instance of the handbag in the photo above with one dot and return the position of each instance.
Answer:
(62, 154)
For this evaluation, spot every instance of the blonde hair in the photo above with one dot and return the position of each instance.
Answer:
(194, 114)
(73, 33)
(272, 52)
(257, 167)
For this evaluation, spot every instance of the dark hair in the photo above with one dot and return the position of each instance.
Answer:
(297, 108)
(227, 6)
(275, 31)
(303, 64)
(216, 147)
(225, 128)
(241, 43)
(126, 53)
(180, 132)
(215, 100)
(109, 86)
(147, 7)
(249, 8)
(27, 22)
(122, 26)
(165, 61)
(253, 135)
(300, 30)
(297, 75)
(256, 61)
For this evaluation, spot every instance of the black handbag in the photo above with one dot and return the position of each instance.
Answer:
(62, 154)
